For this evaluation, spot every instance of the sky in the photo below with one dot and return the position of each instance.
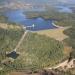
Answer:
(42, 1)
(67, 1)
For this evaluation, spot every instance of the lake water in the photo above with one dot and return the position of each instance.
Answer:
(17, 16)
(13, 55)
(65, 9)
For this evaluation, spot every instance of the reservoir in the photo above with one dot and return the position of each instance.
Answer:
(17, 16)
(63, 9)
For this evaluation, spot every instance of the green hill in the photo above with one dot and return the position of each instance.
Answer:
(36, 51)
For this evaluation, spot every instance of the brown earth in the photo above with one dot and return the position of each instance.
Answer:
(6, 26)
(41, 72)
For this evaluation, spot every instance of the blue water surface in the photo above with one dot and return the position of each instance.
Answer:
(18, 17)
(65, 9)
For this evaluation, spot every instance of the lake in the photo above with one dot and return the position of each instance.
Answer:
(13, 55)
(18, 17)
(64, 9)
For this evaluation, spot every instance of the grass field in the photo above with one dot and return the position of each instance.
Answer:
(54, 33)
(58, 35)
(9, 26)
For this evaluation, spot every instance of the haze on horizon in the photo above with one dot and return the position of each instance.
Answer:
(40, 1)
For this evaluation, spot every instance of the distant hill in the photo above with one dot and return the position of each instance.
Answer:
(36, 2)
(31, 5)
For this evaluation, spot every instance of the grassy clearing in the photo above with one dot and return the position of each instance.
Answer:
(9, 26)
(54, 33)
(59, 35)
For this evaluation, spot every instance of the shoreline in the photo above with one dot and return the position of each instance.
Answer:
(57, 25)
(24, 27)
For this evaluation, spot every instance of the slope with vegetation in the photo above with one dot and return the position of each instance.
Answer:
(36, 51)
(62, 19)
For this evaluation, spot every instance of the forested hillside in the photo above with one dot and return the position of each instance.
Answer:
(36, 51)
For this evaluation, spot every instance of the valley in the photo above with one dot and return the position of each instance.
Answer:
(37, 38)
